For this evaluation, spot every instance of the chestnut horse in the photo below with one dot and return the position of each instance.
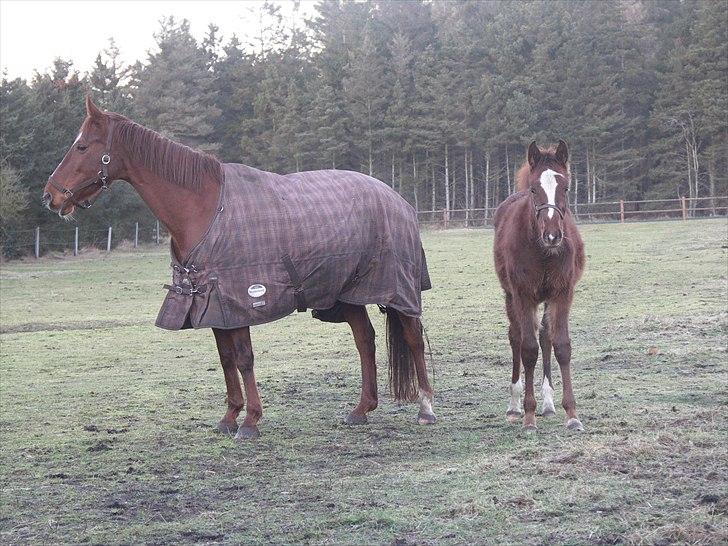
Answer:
(539, 257)
(182, 188)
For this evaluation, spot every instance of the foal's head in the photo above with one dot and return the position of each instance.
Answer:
(546, 176)
(84, 171)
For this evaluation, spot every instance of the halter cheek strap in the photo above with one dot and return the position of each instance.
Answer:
(101, 179)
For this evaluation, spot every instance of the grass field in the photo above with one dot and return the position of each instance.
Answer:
(106, 422)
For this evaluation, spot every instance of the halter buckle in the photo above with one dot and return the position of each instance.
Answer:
(105, 159)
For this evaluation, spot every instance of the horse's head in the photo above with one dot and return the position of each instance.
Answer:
(84, 171)
(548, 182)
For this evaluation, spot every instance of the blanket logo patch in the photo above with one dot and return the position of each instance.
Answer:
(256, 290)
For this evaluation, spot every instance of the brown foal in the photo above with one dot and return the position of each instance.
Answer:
(539, 257)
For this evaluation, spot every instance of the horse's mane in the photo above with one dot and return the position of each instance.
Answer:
(171, 160)
(548, 158)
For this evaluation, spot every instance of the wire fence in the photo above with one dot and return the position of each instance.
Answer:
(683, 208)
(74, 239)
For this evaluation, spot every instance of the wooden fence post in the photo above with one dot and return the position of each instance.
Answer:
(37, 242)
(136, 234)
(621, 211)
(108, 241)
(75, 243)
(157, 231)
(684, 208)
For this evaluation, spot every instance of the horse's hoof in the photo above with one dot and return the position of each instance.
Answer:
(247, 433)
(529, 429)
(548, 413)
(426, 419)
(513, 415)
(355, 419)
(227, 428)
(574, 424)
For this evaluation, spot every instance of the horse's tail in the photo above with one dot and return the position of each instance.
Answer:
(402, 374)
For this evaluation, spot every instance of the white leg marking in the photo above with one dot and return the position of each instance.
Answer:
(425, 403)
(516, 404)
(548, 398)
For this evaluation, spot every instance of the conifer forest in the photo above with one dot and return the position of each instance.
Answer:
(439, 99)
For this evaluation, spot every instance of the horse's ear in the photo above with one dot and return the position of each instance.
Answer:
(91, 109)
(562, 153)
(534, 154)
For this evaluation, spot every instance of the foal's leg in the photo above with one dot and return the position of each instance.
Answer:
(235, 401)
(559, 329)
(529, 354)
(361, 327)
(237, 344)
(547, 386)
(412, 330)
(515, 405)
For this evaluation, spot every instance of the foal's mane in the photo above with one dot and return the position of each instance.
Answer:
(171, 160)
(548, 159)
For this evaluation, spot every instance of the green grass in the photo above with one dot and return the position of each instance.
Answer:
(106, 422)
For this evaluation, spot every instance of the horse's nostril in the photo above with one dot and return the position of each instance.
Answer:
(46, 198)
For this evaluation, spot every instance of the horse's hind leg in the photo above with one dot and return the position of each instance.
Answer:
(235, 401)
(559, 329)
(412, 331)
(515, 405)
(236, 345)
(361, 327)
(547, 386)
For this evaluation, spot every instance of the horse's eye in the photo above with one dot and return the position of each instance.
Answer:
(81, 148)
(533, 190)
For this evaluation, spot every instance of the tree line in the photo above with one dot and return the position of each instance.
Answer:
(436, 98)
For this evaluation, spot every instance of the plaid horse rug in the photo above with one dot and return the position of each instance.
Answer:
(295, 242)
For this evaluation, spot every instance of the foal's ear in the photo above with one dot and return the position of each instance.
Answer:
(534, 154)
(562, 153)
(91, 109)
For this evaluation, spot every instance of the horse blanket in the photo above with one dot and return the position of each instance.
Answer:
(305, 240)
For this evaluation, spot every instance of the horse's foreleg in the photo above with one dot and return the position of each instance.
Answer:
(559, 329)
(412, 331)
(254, 408)
(235, 401)
(547, 386)
(529, 354)
(515, 405)
(361, 327)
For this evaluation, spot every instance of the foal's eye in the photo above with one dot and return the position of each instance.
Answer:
(533, 190)
(81, 148)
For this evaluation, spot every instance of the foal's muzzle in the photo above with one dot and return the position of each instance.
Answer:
(553, 238)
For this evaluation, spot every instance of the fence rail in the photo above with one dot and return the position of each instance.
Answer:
(74, 238)
(603, 212)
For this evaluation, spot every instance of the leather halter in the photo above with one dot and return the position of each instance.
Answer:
(545, 206)
(101, 179)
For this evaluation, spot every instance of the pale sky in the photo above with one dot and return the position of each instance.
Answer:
(33, 33)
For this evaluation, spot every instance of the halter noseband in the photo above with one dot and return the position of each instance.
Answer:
(101, 179)
(545, 206)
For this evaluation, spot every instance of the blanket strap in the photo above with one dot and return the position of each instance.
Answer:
(296, 282)
(186, 291)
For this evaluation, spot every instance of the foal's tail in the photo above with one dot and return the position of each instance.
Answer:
(402, 374)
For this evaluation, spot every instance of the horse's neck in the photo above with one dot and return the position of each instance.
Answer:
(184, 212)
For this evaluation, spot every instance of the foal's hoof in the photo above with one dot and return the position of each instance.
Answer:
(227, 428)
(426, 419)
(247, 433)
(355, 419)
(548, 413)
(574, 424)
(529, 429)
(513, 415)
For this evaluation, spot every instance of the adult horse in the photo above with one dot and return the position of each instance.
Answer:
(539, 257)
(249, 247)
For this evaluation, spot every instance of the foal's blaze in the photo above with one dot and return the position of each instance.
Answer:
(539, 257)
